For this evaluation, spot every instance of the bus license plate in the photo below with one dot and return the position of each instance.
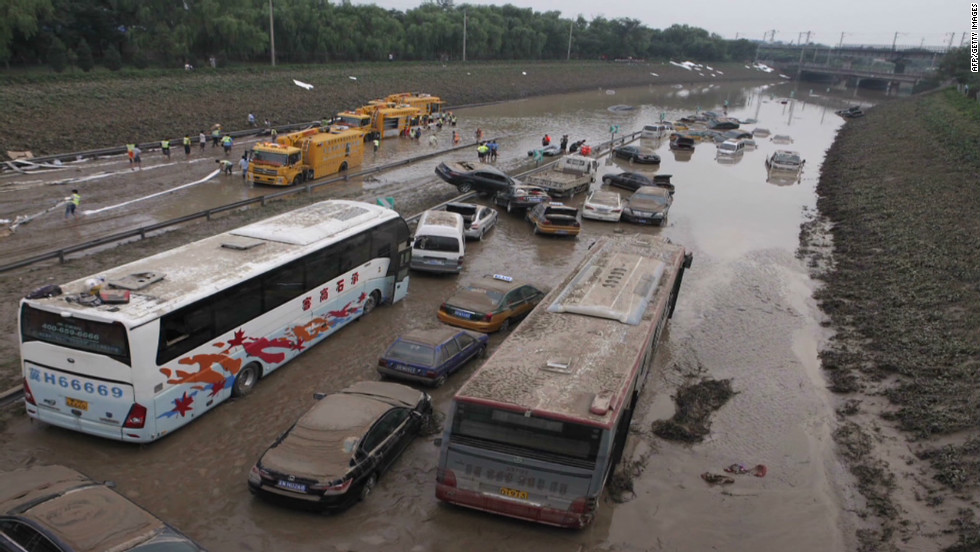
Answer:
(513, 493)
(291, 486)
(75, 403)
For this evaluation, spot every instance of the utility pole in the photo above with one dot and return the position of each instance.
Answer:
(951, 35)
(569, 55)
(841, 43)
(894, 40)
(464, 35)
(272, 35)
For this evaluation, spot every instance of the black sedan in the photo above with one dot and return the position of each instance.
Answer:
(636, 154)
(470, 176)
(627, 180)
(520, 196)
(332, 456)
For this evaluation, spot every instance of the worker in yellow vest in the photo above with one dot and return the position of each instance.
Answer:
(187, 145)
(226, 143)
(165, 146)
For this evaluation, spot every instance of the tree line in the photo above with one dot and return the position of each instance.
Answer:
(169, 33)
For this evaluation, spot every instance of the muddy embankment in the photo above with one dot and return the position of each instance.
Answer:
(66, 113)
(899, 197)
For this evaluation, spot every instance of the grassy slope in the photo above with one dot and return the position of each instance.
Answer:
(50, 115)
(902, 189)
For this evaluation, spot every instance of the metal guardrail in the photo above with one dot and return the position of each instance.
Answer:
(142, 231)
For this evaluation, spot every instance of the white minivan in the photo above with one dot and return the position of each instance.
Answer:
(439, 242)
(731, 148)
(657, 131)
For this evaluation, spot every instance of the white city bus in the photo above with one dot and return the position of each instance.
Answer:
(170, 336)
(536, 432)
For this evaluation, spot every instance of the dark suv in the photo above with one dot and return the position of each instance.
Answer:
(469, 176)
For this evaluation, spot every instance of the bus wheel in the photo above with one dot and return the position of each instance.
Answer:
(368, 486)
(246, 380)
(370, 303)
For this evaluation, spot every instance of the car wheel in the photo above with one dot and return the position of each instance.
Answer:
(245, 380)
(482, 353)
(506, 325)
(367, 486)
(371, 302)
(465, 187)
(482, 233)
(440, 381)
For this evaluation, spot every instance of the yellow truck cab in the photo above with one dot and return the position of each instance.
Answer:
(307, 155)
(378, 119)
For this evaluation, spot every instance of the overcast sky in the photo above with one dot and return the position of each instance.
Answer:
(861, 21)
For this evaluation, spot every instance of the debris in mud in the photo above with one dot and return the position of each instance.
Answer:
(695, 403)
(433, 424)
(759, 470)
(717, 479)
(620, 487)
(957, 467)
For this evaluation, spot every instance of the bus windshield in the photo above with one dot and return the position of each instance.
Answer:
(77, 333)
(535, 436)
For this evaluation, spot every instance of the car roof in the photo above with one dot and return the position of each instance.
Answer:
(652, 190)
(431, 337)
(469, 166)
(57, 497)
(554, 207)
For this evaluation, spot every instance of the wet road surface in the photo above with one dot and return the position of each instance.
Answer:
(745, 313)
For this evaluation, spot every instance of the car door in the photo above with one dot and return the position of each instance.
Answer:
(467, 347)
(515, 302)
(532, 296)
(452, 356)
(489, 182)
(386, 439)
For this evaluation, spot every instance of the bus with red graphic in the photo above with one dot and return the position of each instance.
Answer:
(140, 350)
(537, 431)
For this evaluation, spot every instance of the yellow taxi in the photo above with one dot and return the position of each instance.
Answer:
(493, 303)
(556, 219)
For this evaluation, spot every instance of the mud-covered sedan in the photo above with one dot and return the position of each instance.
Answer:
(471, 176)
(430, 356)
(494, 303)
(57, 509)
(555, 219)
(332, 457)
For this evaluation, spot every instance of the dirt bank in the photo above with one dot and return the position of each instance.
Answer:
(900, 193)
(82, 112)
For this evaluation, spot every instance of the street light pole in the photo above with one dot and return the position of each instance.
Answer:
(272, 35)
(569, 56)
(464, 35)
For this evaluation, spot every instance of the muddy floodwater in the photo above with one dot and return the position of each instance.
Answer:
(745, 314)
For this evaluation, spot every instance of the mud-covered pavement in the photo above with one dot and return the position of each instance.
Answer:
(745, 314)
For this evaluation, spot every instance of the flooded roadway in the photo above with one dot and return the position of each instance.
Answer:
(745, 313)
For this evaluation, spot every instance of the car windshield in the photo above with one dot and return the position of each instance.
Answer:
(788, 159)
(658, 199)
(437, 243)
(260, 157)
(411, 353)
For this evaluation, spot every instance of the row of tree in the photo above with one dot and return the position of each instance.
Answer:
(168, 33)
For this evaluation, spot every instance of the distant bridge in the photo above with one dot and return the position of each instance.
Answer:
(888, 52)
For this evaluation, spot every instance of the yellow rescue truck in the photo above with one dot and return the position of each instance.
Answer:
(378, 120)
(307, 155)
(426, 103)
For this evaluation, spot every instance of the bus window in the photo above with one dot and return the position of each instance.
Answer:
(76, 333)
(237, 306)
(356, 251)
(322, 267)
(183, 330)
(282, 285)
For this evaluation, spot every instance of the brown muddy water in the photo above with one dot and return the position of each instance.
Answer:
(745, 313)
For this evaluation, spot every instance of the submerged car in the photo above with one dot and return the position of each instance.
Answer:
(430, 356)
(477, 219)
(648, 205)
(603, 205)
(493, 303)
(332, 457)
(469, 176)
(784, 160)
(521, 196)
(57, 509)
(547, 151)
(782, 139)
(636, 154)
(555, 219)
(627, 180)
